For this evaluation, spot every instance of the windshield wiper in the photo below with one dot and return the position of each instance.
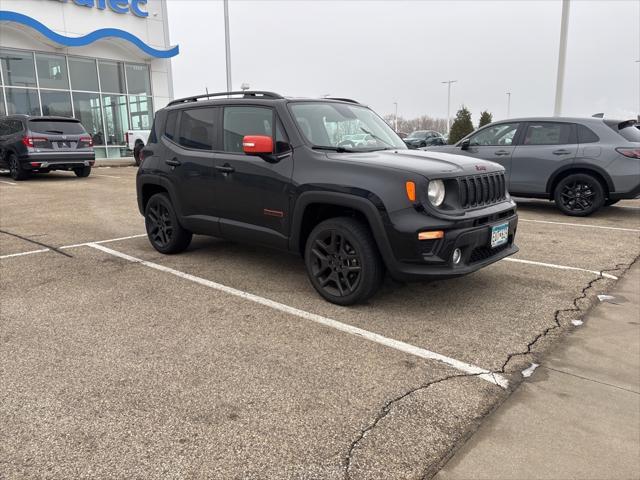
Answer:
(332, 149)
(377, 138)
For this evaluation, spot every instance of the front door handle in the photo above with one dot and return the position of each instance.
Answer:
(561, 152)
(226, 168)
(502, 153)
(173, 162)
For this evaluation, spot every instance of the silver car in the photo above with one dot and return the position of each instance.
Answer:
(581, 163)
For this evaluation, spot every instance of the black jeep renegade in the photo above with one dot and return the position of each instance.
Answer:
(328, 179)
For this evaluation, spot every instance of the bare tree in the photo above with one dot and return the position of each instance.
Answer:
(424, 122)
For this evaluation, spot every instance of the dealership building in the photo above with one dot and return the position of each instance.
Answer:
(105, 62)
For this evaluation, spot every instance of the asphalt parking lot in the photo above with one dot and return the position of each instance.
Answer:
(223, 362)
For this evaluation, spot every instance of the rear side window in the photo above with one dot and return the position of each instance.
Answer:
(586, 135)
(548, 133)
(630, 133)
(196, 128)
(170, 125)
(56, 127)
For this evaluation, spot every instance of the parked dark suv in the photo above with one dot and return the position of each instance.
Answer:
(581, 163)
(42, 144)
(256, 167)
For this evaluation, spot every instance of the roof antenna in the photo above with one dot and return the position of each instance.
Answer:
(598, 115)
(206, 89)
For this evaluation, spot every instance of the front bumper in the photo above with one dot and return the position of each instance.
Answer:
(430, 259)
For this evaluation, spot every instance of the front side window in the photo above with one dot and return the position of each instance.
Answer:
(196, 128)
(335, 125)
(18, 68)
(241, 121)
(52, 71)
(548, 133)
(497, 135)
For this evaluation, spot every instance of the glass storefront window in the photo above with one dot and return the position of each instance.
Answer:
(56, 103)
(116, 118)
(84, 74)
(141, 113)
(138, 81)
(89, 112)
(52, 71)
(111, 77)
(22, 101)
(18, 68)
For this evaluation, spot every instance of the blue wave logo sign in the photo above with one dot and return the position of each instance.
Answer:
(6, 16)
(118, 6)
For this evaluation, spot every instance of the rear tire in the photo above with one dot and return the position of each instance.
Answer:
(163, 229)
(15, 168)
(343, 262)
(82, 172)
(579, 195)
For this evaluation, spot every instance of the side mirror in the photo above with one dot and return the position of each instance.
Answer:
(465, 144)
(257, 145)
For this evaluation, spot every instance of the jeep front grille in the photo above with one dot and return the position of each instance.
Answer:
(481, 190)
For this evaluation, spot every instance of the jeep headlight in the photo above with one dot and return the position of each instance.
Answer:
(436, 192)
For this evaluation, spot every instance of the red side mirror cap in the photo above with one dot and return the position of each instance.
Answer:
(257, 144)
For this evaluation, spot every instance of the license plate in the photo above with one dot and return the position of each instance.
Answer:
(499, 235)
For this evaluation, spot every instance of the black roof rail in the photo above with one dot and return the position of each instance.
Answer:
(343, 100)
(245, 93)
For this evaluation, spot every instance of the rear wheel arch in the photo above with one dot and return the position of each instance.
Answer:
(149, 190)
(597, 173)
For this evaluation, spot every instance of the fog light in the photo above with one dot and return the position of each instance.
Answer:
(457, 256)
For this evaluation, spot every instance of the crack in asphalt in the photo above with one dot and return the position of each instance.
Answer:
(35, 242)
(387, 407)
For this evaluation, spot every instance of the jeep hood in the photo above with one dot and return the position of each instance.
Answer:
(428, 163)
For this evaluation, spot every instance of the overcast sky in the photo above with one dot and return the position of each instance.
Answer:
(381, 52)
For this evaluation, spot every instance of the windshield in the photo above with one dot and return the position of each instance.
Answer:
(419, 134)
(341, 126)
(59, 127)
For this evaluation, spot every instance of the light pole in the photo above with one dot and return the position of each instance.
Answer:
(562, 56)
(508, 104)
(227, 43)
(638, 62)
(396, 116)
(449, 82)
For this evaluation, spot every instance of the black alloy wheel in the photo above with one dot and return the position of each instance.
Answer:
(164, 232)
(343, 262)
(579, 195)
(15, 168)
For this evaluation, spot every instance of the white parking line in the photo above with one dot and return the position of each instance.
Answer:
(328, 322)
(8, 183)
(67, 247)
(101, 175)
(561, 267)
(25, 253)
(620, 229)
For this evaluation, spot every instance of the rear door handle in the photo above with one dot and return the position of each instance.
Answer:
(502, 153)
(174, 162)
(561, 152)
(226, 168)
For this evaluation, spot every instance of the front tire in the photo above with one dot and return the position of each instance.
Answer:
(579, 195)
(15, 168)
(163, 229)
(82, 172)
(343, 262)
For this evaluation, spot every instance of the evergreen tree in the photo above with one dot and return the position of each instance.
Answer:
(462, 125)
(485, 119)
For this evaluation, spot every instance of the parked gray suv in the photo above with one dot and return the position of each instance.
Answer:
(581, 163)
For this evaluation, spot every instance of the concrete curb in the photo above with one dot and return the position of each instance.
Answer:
(115, 162)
